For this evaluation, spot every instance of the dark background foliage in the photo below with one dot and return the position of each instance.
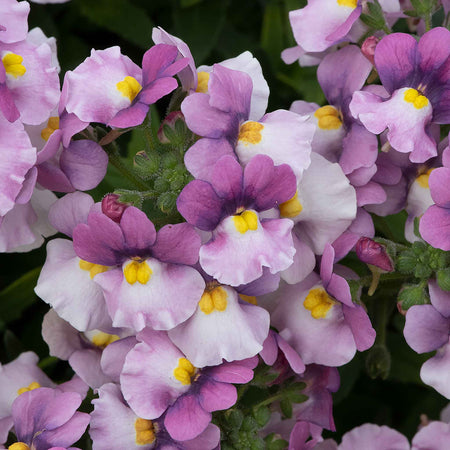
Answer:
(214, 30)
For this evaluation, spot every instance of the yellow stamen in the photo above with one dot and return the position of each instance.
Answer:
(250, 132)
(328, 118)
(145, 431)
(52, 126)
(92, 268)
(247, 220)
(13, 65)
(202, 84)
(249, 299)
(350, 3)
(213, 300)
(102, 340)
(19, 446)
(137, 271)
(291, 208)
(129, 87)
(184, 372)
(423, 179)
(31, 387)
(413, 96)
(318, 302)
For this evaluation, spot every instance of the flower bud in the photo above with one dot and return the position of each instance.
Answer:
(371, 252)
(169, 127)
(378, 362)
(112, 207)
(368, 48)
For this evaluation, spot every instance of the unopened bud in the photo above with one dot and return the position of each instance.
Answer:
(112, 207)
(169, 128)
(373, 253)
(368, 48)
(378, 362)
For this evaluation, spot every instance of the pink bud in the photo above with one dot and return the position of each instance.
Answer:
(368, 48)
(112, 207)
(373, 253)
(170, 120)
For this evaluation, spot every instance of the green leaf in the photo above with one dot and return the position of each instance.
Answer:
(262, 415)
(18, 296)
(286, 408)
(413, 294)
(272, 33)
(121, 17)
(443, 279)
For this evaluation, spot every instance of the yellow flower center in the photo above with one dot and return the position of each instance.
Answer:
(145, 431)
(13, 65)
(215, 300)
(102, 340)
(423, 179)
(250, 132)
(202, 84)
(328, 118)
(418, 100)
(249, 299)
(184, 372)
(349, 3)
(291, 208)
(92, 268)
(19, 446)
(137, 271)
(52, 126)
(246, 220)
(31, 387)
(318, 302)
(129, 87)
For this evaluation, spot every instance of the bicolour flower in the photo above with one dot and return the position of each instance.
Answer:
(115, 425)
(45, 418)
(416, 77)
(150, 282)
(318, 318)
(243, 242)
(435, 223)
(434, 436)
(427, 328)
(109, 88)
(222, 116)
(157, 378)
(29, 82)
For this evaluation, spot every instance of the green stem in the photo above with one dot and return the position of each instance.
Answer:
(269, 400)
(116, 161)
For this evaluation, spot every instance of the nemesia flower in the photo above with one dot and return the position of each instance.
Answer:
(45, 418)
(13, 21)
(115, 425)
(221, 117)
(186, 394)
(109, 88)
(149, 269)
(242, 241)
(434, 436)
(415, 75)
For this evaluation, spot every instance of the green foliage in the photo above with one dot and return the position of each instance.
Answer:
(378, 362)
(413, 294)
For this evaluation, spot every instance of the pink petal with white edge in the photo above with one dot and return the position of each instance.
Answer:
(17, 157)
(406, 123)
(70, 290)
(92, 93)
(373, 437)
(14, 20)
(207, 338)
(286, 137)
(322, 23)
(436, 371)
(155, 304)
(434, 436)
(236, 258)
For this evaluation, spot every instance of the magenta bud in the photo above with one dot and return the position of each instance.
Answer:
(170, 121)
(368, 48)
(112, 207)
(373, 253)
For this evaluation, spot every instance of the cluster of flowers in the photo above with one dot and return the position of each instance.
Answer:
(162, 324)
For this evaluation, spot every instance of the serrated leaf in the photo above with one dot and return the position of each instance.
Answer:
(411, 295)
(443, 279)
(121, 17)
(18, 296)
(262, 415)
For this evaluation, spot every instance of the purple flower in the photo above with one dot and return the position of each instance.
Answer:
(229, 206)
